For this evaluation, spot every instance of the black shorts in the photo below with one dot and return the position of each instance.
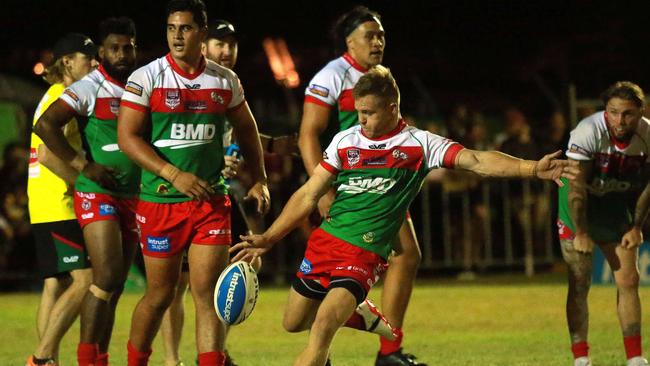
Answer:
(312, 289)
(60, 247)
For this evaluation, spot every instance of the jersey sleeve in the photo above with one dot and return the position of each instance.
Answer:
(80, 97)
(237, 92)
(138, 89)
(324, 88)
(582, 143)
(331, 159)
(440, 152)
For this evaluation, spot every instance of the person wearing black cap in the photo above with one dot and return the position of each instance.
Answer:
(106, 190)
(60, 248)
(329, 108)
(221, 43)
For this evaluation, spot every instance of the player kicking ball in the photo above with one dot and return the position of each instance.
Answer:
(377, 168)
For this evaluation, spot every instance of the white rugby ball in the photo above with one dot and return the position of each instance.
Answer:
(236, 292)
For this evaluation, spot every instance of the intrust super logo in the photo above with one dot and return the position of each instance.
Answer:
(186, 135)
(358, 185)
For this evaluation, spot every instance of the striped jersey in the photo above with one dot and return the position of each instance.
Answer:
(96, 98)
(187, 120)
(616, 181)
(46, 191)
(332, 88)
(376, 180)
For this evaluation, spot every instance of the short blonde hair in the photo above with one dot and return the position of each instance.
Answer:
(54, 72)
(377, 81)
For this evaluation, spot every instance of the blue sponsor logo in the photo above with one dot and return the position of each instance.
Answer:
(158, 244)
(305, 266)
(106, 209)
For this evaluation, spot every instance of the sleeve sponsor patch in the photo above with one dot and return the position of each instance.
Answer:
(579, 150)
(71, 94)
(319, 90)
(134, 88)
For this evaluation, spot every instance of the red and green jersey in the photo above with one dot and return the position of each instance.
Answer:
(616, 181)
(96, 99)
(332, 88)
(187, 120)
(376, 180)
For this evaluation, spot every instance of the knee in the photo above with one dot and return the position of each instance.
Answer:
(324, 326)
(160, 298)
(628, 281)
(291, 325)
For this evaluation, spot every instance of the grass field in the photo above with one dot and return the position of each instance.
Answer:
(496, 321)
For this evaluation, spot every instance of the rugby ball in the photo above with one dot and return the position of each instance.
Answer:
(236, 292)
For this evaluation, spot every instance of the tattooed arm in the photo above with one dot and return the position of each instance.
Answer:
(578, 208)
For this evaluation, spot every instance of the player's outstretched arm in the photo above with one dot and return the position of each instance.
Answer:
(131, 125)
(49, 128)
(301, 203)
(497, 164)
(245, 128)
(634, 237)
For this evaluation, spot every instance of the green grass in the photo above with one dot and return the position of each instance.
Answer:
(488, 322)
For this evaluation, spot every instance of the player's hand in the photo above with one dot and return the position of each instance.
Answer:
(100, 174)
(260, 193)
(633, 238)
(582, 243)
(232, 165)
(552, 168)
(192, 186)
(324, 204)
(250, 248)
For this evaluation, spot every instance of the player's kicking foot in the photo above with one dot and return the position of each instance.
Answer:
(33, 361)
(637, 361)
(397, 358)
(582, 361)
(374, 321)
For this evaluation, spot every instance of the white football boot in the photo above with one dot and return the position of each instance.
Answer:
(582, 361)
(637, 361)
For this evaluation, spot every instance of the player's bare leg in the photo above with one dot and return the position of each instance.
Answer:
(129, 245)
(577, 307)
(206, 263)
(623, 263)
(333, 312)
(53, 287)
(299, 313)
(63, 314)
(400, 277)
(173, 321)
(162, 279)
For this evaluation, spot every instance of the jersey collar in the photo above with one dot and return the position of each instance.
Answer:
(354, 63)
(400, 126)
(177, 69)
(102, 71)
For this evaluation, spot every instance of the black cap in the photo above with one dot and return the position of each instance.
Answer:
(221, 28)
(74, 42)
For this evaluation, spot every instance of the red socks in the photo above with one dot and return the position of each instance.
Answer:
(388, 347)
(102, 359)
(580, 349)
(355, 322)
(135, 357)
(212, 359)
(87, 353)
(632, 346)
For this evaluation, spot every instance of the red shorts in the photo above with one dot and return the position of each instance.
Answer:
(328, 256)
(91, 207)
(167, 228)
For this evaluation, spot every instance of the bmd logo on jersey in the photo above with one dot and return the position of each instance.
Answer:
(358, 185)
(158, 244)
(173, 98)
(185, 135)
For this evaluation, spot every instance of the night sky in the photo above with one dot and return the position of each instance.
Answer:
(483, 52)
